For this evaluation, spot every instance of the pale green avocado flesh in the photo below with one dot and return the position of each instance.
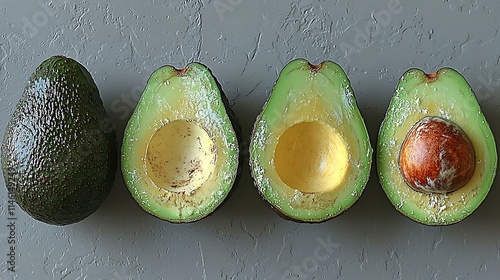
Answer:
(310, 153)
(445, 94)
(180, 148)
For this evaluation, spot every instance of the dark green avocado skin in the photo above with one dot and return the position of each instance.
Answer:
(59, 152)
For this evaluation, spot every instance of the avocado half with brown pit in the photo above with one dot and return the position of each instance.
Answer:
(180, 153)
(310, 153)
(436, 154)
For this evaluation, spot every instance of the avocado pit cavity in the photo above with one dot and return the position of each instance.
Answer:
(311, 157)
(437, 156)
(180, 156)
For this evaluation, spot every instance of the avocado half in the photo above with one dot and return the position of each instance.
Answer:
(446, 100)
(59, 151)
(310, 154)
(180, 155)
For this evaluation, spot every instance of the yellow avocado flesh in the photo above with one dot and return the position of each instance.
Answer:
(180, 157)
(310, 153)
(448, 96)
(180, 151)
(311, 157)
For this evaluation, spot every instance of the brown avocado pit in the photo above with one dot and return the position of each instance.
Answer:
(436, 156)
(419, 99)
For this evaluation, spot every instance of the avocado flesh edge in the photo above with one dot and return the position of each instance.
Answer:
(303, 94)
(170, 95)
(59, 153)
(450, 97)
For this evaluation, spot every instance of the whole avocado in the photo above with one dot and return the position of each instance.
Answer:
(59, 152)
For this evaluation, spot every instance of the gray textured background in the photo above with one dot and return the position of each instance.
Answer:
(246, 43)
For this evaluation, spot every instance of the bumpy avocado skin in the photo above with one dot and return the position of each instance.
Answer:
(59, 152)
(445, 94)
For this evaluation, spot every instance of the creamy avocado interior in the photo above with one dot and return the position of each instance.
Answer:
(180, 151)
(180, 157)
(311, 157)
(310, 153)
(447, 95)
